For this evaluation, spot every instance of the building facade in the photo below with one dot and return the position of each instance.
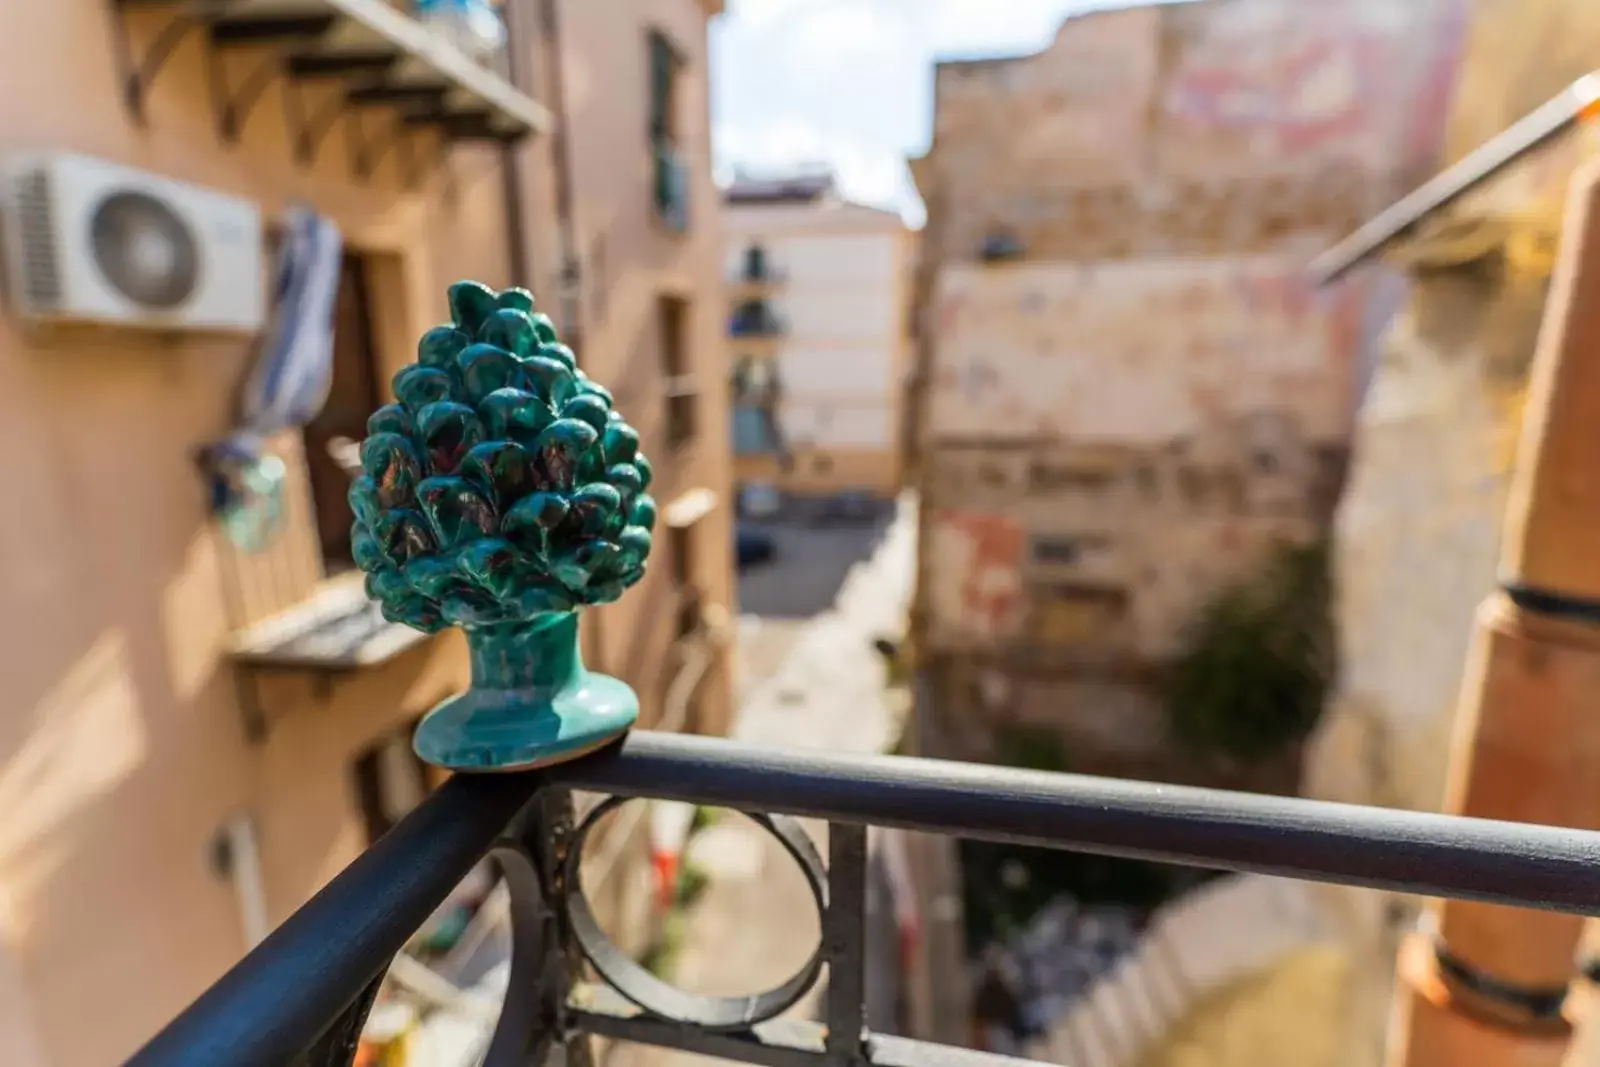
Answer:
(191, 745)
(818, 336)
(1127, 392)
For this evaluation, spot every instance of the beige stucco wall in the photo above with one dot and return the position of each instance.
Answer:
(629, 262)
(122, 749)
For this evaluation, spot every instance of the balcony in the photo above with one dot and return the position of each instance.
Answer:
(756, 279)
(755, 318)
(756, 330)
(755, 381)
(370, 52)
(306, 990)
(683, 412)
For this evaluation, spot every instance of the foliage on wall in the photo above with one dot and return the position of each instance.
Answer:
(1258, 661)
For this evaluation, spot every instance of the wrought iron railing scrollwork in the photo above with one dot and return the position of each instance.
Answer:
(301, 996)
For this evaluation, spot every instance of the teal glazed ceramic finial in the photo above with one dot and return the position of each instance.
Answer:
(502, 494)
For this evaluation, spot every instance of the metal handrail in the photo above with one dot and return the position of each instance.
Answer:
(1555, 868)
(1535, 129)
(314, 974)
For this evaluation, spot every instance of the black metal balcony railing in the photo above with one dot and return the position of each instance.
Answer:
(302, 995)
(756, 269)
(755, 319)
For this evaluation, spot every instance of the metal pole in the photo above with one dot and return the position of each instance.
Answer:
(513, 190)
(1486, 984)
(569, 276)
(1533, 131)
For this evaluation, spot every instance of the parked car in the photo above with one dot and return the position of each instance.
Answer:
(760, 501)
(753, 546)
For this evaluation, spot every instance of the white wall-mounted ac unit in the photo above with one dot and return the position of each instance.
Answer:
(97, 242)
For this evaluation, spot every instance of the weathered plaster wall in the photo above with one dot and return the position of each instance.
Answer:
(1234, 124)
(1135, 351)
(1110, 443)
(1134, 412)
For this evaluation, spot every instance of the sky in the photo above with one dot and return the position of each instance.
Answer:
(849, 83)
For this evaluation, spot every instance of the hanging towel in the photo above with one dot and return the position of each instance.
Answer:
(288, 385)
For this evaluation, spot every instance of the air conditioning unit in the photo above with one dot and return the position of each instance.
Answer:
(96, 242)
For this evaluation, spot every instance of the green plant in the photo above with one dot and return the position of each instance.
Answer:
(1032, 748)
(660, 957)
(1257, 661)
(692, 884)
(701, 819)
(998, 905)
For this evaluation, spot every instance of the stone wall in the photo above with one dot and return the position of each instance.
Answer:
(1150, 396)
(1237, 125)
(1112, 443)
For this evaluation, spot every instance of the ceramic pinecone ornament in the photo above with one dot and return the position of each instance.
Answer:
(501, 493)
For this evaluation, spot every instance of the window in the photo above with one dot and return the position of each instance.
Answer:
(755, 381)
(753, 430)
(681, 550)
(390, 781)
(1148, 483)
(755, 264)
(1000, 246)
(669, 166)
(1056, 550)
(1192, 485)
(598, 281)
(1073, 614)
(1063, 551)
(755, 318)
(682, 392)
(681, 546)
(332, 437)
(1058, 477)
(992, 476)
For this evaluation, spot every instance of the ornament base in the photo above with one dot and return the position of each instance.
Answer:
(531, 704)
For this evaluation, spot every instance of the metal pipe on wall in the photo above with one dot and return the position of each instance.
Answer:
(513, 189)
(570, 275)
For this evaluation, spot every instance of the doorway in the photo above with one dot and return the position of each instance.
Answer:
(333, 438)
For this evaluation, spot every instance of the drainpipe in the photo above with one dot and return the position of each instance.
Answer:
(569, 274)
(1482, 984)
(561, 149)
(512, 192)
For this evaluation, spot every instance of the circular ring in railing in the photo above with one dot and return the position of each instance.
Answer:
(665, 1001)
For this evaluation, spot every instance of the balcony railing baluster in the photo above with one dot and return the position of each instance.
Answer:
(302, 994)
